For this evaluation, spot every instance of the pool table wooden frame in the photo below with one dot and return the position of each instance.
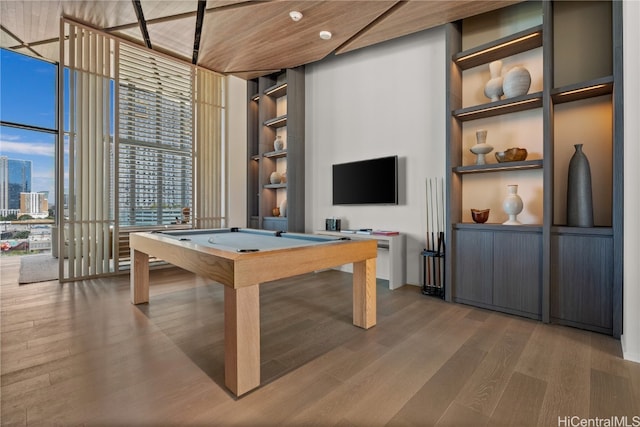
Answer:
(241, 274)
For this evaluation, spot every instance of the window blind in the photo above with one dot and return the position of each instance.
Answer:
(155, 164)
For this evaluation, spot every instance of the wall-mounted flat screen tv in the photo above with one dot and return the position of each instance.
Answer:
(365, 182)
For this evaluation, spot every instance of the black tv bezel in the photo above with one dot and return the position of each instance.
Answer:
(362, 202)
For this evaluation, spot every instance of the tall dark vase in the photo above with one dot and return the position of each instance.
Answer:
(579, 201)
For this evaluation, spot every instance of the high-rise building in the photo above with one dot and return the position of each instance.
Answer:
(15, 178)
(4, 183)
(34, 204)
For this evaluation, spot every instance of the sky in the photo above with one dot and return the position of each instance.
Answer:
(28, 96)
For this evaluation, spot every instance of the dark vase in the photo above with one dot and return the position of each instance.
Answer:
(579, 202)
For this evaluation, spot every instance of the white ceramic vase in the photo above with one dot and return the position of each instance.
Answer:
(517, 82)
(283, 207)
(481, 149)
(512, 205)
(493, 89)
(278, 143)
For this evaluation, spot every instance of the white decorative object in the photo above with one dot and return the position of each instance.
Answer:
(278, 144)
(283, 208)
(275, 177)
(493, 88)
(512, 205)
(481, 148)
(517, 82)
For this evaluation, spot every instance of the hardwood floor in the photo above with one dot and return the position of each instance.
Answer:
(81, 354)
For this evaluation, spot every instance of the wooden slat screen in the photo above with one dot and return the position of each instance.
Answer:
(143, 147)
(86, 152)
(210, 152)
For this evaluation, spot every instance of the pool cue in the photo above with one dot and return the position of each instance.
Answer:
(428, 263)
(436, 260)
(434, 207)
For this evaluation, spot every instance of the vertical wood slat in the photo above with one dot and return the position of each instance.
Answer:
(60, 168)
(72, 134)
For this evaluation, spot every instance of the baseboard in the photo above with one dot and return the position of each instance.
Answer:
(627, 355)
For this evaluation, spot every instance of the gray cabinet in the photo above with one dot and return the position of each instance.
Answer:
(517, 267)
(474, 269)
(582, 279)
(499, 269)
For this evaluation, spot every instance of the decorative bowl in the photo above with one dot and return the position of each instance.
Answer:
(480, 216)
(511, 155)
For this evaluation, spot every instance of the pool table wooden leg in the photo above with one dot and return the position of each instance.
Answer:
(139, 276)
(242, 338)
(364, 293)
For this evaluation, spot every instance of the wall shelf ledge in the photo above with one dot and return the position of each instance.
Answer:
(504, 106)
(499, 167)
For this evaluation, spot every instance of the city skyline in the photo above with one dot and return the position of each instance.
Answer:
(27, 97)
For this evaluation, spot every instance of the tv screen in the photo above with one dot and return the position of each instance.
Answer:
(365, 182)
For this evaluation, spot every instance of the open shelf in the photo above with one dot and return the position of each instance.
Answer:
(501, 48)
(276, 186)
(583, 90)
(276, 154)
(277, 90)
(276, 122)
(497, 108)
(499, 167)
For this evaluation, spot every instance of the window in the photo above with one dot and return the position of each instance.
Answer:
(27, 152)
(155, 139)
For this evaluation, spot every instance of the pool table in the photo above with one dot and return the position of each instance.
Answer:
(241, 259)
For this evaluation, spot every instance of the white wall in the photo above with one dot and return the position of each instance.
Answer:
(237, 153)
(384, 100)
(631, 277)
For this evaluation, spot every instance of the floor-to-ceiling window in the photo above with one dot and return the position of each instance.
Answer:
(28, 135)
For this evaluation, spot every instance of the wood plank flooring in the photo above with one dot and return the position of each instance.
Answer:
(81, 354)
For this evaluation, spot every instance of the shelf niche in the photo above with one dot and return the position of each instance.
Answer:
(276, 108)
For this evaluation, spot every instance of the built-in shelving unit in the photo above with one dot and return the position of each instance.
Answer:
(276, 108)
(542, 269)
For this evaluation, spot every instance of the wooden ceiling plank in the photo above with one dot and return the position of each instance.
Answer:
(242, 42)
(420, 15)
(242, 37)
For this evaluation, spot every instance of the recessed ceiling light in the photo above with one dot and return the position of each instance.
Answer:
(295, 15)
(325, 35)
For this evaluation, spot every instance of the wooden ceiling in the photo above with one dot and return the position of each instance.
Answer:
(243, 38)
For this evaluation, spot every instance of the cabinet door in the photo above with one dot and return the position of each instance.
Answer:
(517, 269)
(275, 224)
(581, 281)
(473, 266)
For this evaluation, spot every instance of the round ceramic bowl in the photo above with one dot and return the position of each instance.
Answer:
(480, 216)
(511, 155)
